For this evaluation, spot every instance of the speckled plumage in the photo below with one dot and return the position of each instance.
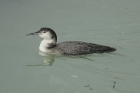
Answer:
(80, 48)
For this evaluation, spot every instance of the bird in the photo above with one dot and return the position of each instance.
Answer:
(49, 45)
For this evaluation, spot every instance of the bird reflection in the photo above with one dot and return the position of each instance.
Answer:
(48, 59)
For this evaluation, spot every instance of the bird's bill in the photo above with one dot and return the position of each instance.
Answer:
(34, 33)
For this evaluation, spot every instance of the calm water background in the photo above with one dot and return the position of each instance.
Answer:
(114, 23)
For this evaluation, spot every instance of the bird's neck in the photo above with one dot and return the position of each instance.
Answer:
(45, 45)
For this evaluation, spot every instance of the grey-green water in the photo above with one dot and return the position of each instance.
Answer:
(114, 23)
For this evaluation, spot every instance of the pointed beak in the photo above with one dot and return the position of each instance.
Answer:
(34, 33)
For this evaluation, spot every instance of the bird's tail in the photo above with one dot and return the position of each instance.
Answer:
(111, 49)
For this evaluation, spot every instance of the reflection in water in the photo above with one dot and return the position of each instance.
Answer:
(50, 58)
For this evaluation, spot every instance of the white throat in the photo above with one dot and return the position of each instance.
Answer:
(45, 44)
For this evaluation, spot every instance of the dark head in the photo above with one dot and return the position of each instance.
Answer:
(46, 33)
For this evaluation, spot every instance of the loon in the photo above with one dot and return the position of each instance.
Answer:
(48, 44)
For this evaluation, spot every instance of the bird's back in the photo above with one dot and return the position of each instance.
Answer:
(80, 48)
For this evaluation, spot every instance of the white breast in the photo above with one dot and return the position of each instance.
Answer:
(44, 44)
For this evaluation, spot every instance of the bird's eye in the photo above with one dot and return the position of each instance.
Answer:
(44, 31)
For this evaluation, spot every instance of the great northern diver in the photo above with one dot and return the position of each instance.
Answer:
(68, 47)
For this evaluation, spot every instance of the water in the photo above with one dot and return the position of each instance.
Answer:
(114, 23)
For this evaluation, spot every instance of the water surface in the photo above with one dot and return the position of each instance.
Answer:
(114, 23)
